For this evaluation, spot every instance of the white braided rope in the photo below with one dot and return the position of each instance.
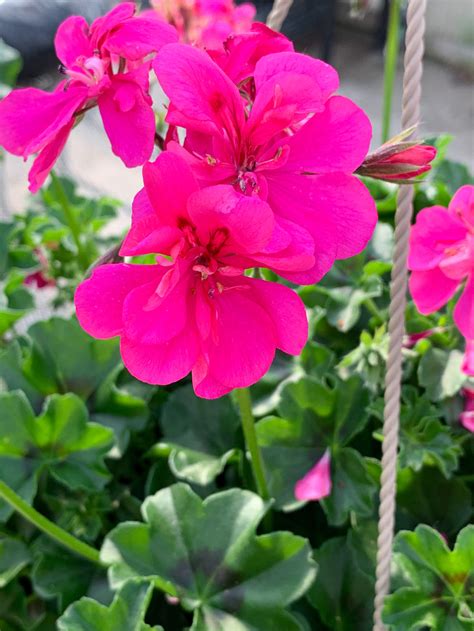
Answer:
(278, 14)
(411, 114)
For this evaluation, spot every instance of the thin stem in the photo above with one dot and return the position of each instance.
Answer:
(391, 57)
(74, 226)
(244, 402)
(54, 532)
(372, 308)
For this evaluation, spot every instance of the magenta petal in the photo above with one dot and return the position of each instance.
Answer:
(316, 484)
(336, 139)
(205, 384)
(136, 38)
(462, 204)
(198, 88)
(468, 361)
(99, 299)
(46, 159)
(161, 364)
(101, 27)
(431, 289)
(30, 118)
(287, 311)
(128, 120)
(434, 231)
(319, 71)
(249, 220)
(242, 346)
(72, 40)
(149, 319)
(169, 182)
(464, 310)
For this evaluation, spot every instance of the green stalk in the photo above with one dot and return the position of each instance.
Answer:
(244, 402)
(42, 523)
(74, 226)
(390, 71)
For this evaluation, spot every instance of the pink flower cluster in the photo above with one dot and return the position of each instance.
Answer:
(206, 23)
(106, 64)
(258, 172)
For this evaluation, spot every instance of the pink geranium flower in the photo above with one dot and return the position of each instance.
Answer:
(106, 64)
(197, 311)
(442, 258)
(206, 23)
(294, 145)
(316, 484)
(398, 162)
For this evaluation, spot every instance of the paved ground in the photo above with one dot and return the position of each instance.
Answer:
(448, 106)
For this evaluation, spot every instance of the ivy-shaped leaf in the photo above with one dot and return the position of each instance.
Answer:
(14, 555)
(202, 435)
(126, 613)
(438, 591)
(207, 554)
(316, 417)
(60, 441)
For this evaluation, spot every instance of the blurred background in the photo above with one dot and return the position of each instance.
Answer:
(350, 34)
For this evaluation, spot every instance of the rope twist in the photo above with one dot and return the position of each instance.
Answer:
(278, 14)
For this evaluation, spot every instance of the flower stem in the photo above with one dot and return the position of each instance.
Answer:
(71, 220)
(244, 402)
(391, 58)
(54, 532)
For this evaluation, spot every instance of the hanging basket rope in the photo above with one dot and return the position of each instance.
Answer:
(410, 117)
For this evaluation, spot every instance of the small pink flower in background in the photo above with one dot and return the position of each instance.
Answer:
(197, 312)
(295, 146)
(442, 259)
(206, 23)
(411, 339)
(467, 416)
(398, 161)
(106, 64)
(316, 484)
(468, 363)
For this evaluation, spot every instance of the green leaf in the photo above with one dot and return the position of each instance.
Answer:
(202, 435)
(64, 358)
(345, 303)
(60, 441)
(317, 417)
(440, 373)
(343, 592)
(58, 574)
(207, 553)
(427, 496)
(439, 583)
(424, 440)
(126, 613)
(10, 64)
(14, 556)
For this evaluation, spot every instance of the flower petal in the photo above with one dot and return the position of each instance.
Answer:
(316, 484)
(161, 364)
(464, 310)
(128, 119)
(431, 289)
(99, 299)
(72, 40)
(46, 159)
(138, 37)
(336, 139)
(462, 204)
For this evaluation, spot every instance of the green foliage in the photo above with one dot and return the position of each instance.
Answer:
(214, 563)
(60, 442)
(10, 66)
(437, 589)
(314, 417)
(200, 435)
(126, 613)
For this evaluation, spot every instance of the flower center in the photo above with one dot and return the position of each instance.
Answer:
(88, 70)
(458, 259)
